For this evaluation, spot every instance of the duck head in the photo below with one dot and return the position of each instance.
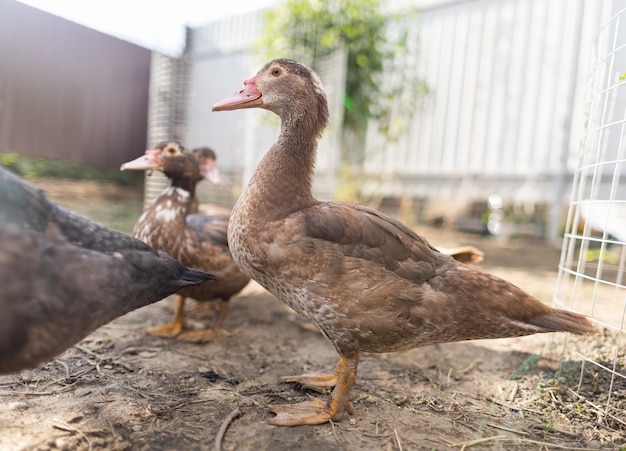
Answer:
(171, 158)
(207, 160)
(290, 89)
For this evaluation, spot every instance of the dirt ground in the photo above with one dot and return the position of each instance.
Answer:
(121, 389)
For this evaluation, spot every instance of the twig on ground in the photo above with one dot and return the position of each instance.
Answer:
(497, 426)
(191, 354)
(196, 401)
(138, 391)
(222, 430)
(128, 368)
(63, 388)
(67, 386)
(121, 327)
(512, 407)
(200, 401)
(471, 443)
(513, 393)
(516, 440)
(67, 428)
(81, 372)
(470, 367)
(64, 365)
(137, 350)
(598, 408)
(34, 393)
(557, 430)
(87, 351)
(549, 445)
(395, 432)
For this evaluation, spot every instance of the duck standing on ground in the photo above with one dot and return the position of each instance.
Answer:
(62, 276)
(367, 281)
(196, 240)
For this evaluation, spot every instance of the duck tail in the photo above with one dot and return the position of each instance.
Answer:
(564, 321)
(195, 277)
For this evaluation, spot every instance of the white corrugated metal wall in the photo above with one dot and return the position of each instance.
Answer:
(505, 81)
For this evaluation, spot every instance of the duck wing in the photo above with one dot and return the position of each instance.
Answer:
(361, 271)
(211, 228)
(357, 231)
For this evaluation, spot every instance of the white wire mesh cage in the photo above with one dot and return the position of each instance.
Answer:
(592, 277)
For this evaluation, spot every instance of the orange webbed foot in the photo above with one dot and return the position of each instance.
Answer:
(315, 411)
(204, 336)
(173, 329)
(168, 330)
(308, 412)
(321, 383)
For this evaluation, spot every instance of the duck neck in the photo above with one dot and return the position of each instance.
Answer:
(185, 184)
(173, 206)
(282, 182)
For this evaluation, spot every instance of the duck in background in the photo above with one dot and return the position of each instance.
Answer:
(367, 281)
(171, 224)
(63, 275)
(207, 160)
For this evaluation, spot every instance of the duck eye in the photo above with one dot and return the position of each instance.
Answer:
(171, 150)
(276, 71)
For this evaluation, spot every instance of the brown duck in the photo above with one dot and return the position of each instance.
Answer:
(63, 275)
(367, 281)
(168, 224)
(207, 159)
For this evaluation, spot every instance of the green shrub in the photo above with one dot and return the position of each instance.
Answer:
(34, 168)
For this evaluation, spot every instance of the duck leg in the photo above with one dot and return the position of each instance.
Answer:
(315, 411)
(202, 336)
(201, 309)
(175, 327)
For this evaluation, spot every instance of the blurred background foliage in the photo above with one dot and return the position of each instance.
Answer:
(36, 168)
(373, 38)
(370, 35)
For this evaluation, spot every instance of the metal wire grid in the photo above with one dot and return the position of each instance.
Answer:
(592, 269)
(162, 119)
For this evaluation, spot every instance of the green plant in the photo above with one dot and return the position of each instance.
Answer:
(33, 168)
(373, 41)
(309, 30)
(547, 429)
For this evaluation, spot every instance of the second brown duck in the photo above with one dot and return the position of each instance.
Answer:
(368, 282)
(171, 224)
(207, 159)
